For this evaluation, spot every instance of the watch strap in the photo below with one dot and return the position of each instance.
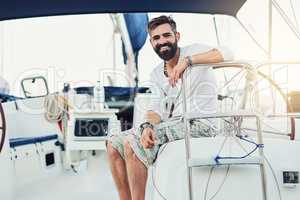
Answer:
(189, 61)
(145, 125)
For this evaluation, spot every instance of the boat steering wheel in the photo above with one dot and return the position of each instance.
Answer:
(2, 128)
(234, 80)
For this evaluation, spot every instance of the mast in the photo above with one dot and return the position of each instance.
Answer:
(270, 32)
(270, 39)
(131, 65)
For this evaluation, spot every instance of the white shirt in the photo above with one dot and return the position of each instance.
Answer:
(201, 86)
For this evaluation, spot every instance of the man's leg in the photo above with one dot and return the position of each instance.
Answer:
(118, 169)
(137, 173)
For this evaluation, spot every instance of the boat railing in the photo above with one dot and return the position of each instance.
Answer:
(251, 77)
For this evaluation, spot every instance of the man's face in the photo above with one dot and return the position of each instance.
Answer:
(164, 41)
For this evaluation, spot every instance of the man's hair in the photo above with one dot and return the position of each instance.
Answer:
(163, 19)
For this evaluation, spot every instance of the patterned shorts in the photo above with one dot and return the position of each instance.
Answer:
(166, 132)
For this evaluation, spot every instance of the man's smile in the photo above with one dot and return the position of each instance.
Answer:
(164, 48)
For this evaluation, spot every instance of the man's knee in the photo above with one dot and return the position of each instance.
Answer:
(112, 152)
(129, 153)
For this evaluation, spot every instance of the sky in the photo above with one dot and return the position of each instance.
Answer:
(79, 48)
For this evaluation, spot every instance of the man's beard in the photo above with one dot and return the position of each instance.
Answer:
(166, 54)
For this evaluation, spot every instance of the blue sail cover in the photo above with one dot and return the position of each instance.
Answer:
(136, 24)
(14, 9)
(137, 28)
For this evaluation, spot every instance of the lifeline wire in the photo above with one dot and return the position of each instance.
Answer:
(217, 158)
(208, 180)
(153, 175)
(294, 13)
(274, 176)
(220, 187)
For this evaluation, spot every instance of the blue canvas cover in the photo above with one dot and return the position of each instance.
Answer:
(137, 28)
(136, 24)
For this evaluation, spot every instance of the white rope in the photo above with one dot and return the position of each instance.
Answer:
(53, 108)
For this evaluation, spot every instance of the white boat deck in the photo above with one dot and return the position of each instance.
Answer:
(93, 184)
(96, 182)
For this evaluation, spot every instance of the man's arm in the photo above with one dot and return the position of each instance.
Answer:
(212, 56)
(153, 115)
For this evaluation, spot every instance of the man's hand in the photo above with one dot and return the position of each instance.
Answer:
(148, 138)
(177, 71)
(153, 117)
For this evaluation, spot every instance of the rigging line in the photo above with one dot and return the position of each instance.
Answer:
(270, 46)
(232, 123)
(247, 153)
(224, 75)
(232, 78)
(275, 129)
(223, 144)
(274, 176)
(258, 145)
(208, 181)
(210, 175)
(240, 144)
(238, 157)
(267, 132)
(112, 42)
(154, 172)
(243, 130)
(277, 87)
(216, 30)
(237, 85)
(229, 129)
(286, 19)
(226, 175)
(253, 38)
(227, 136)
(154, 184)
(221, 185)
(218, 40)
(294, 13)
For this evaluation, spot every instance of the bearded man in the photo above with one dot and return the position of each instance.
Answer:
(130, 153)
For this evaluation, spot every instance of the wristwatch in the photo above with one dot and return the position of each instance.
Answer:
(145, 125)
(189, 61)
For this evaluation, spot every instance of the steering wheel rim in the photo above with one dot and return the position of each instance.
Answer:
(292, 133)
(2, 128)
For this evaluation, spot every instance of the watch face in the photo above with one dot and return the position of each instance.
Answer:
(146, 125)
